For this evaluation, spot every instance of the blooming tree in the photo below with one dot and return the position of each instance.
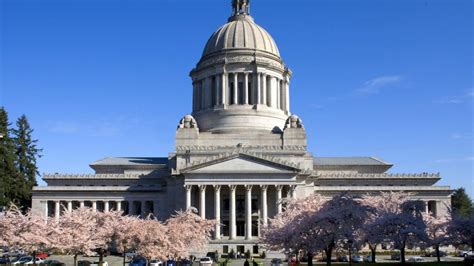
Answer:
(406, 228)
(314, 224)
(151, 239)
(462, 230)
(284, 231)
(188, 231)
(27, 231)
(338, 224)
(437, 230)
(83, 231)
(382, 204)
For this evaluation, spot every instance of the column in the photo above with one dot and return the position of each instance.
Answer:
(278, 95)
(246, 88)
(283, 95)
(287, 96)
(131, 208)
(426, 206)
(81, 204)
(278, 198)
(202, 201)
(232, 221)
(264, 89)
(236, 83)
(293, 191)
(264, 205)
(218, 89)
(248, 212)
(223, 88)
(106, 206)
(256, 88)
(118, 203)
(46, 209)
(69, 206)
(57, 207)
(94, 205)
(188, 196)
(217, 211)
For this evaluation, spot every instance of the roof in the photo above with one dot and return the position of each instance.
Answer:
(323, 161)
(241, 32)
(131, 161)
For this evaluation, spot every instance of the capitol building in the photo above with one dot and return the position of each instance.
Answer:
(237, 155)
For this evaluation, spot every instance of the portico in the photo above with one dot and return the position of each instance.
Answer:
(250, 202)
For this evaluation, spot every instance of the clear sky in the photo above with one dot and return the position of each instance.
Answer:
(98, 78)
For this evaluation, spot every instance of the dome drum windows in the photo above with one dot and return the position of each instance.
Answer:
(240, 88)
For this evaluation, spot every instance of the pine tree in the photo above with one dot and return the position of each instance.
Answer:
(26, 153)
(461, 203)
(9, 175)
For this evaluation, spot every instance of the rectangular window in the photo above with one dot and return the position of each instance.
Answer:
(240, 93)
(231, 93)
(249, 93)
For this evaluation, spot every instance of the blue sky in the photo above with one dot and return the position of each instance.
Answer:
(392, 79)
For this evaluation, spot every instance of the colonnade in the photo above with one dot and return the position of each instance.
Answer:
(232, 205)
(241, 88)
(131, 207)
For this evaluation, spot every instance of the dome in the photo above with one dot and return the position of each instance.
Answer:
(241, 32)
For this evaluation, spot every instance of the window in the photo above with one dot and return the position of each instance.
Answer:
(249, 93)
(240, 93)
(231, 93)
(255, 249)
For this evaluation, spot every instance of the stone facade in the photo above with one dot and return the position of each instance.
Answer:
(238, 154)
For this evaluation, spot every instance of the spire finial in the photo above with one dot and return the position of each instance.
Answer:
(240, 7)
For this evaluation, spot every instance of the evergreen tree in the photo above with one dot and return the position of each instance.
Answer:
(9, 175)
(26, 153)
(461, 203)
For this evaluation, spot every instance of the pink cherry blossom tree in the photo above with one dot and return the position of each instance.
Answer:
(83, 231)
(188, 231)
(316, 224)
(437, 230)
(284, 231)
(405, 228)
(27, 231)
(382, 204)
(148, 237)
(336, 225)
(151, 239)
(126, 234)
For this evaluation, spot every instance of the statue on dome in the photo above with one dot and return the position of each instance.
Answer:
(187, 122)
(240, 7)
(294, 121)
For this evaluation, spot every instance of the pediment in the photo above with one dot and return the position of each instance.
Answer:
(241, 163)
